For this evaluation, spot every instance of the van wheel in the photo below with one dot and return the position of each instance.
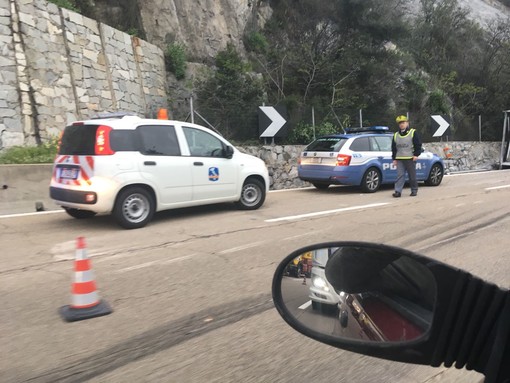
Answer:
(435, 175)
(134, 208)
(253, 194)
(371, 181)
(79, 214)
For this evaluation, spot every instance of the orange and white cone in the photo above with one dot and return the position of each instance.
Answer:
(85, 299)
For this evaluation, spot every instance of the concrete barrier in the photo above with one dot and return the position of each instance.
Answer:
(23, 186)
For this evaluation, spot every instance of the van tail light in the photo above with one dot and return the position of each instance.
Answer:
(102, 147)
(299, 161)
(343, 160)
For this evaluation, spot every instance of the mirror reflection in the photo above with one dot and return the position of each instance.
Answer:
(361, 293)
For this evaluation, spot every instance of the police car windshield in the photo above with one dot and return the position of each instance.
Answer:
(327, 144)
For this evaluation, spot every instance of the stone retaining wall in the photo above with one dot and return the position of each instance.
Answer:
(57, 66)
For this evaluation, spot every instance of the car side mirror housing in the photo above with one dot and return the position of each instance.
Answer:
(229, 151)
(394, 304)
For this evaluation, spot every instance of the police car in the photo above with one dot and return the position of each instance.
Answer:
(132, 167)
(361, 157)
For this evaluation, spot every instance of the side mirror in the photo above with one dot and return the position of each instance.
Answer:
(391, 303)
(229, 152)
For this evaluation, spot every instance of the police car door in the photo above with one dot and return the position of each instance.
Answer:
(214, 175)
(381, 148)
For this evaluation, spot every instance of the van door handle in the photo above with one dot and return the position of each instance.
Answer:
(150, 163)
(198, 163)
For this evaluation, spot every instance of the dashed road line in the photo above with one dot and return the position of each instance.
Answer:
(498, 187)
(325, 212)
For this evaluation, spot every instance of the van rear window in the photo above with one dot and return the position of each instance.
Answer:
(78, 140)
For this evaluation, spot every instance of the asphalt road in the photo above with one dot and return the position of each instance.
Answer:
(191, 291)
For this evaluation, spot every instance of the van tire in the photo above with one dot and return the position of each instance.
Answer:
(253, 194)
(134, 208)
(79, 214)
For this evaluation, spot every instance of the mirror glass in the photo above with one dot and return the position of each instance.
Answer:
(366, 293)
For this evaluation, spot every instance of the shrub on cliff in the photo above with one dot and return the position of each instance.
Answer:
(175, 59)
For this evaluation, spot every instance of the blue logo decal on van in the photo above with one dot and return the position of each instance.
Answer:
(214, 174)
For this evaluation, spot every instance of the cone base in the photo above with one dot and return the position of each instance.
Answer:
(71, 314)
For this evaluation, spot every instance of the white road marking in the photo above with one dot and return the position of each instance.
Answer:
(498, 187)
(289, 190)
(304, 306)
(301, 235)
(29, 214)
(239, 248)
(326, 212)
(151, 263)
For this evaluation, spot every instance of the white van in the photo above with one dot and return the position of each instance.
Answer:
(132, 167)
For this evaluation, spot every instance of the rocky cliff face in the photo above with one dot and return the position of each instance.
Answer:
(204, 27)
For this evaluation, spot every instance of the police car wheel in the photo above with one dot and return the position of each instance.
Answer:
(435, 175)
(79, 214)
(321, 186)
(253, 194)
(134, 208)
(371, 181)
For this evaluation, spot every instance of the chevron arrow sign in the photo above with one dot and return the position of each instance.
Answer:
(443, 125)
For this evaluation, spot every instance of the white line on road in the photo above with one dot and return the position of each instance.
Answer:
(239, 248)
(151, 263)
(301, 235)
(304, 306)
(498, 187)
(29, 214)
(325, 212)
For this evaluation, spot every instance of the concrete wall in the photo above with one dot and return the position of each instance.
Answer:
(21, 186)
(57, 66)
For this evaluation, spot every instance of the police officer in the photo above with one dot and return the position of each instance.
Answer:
(405, 147)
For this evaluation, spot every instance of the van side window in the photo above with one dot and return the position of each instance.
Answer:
(203, 144)
(158, 140)
(122, 140)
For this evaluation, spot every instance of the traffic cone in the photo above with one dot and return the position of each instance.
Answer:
(85, 299)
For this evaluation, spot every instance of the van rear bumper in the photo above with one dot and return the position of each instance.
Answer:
(73, 196)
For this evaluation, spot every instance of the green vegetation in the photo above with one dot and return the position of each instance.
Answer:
(175, 59)
(378, 56)
(256, 42)
(67, 4)
(40, 154)
(85, 7)
(303, 133)
(231, 94)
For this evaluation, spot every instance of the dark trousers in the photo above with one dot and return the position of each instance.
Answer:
(404, 166)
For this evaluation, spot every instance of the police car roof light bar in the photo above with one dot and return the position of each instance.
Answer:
(369, 129)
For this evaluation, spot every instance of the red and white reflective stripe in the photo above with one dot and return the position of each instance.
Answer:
(83, 301)
(86, 164)
(84, 292)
